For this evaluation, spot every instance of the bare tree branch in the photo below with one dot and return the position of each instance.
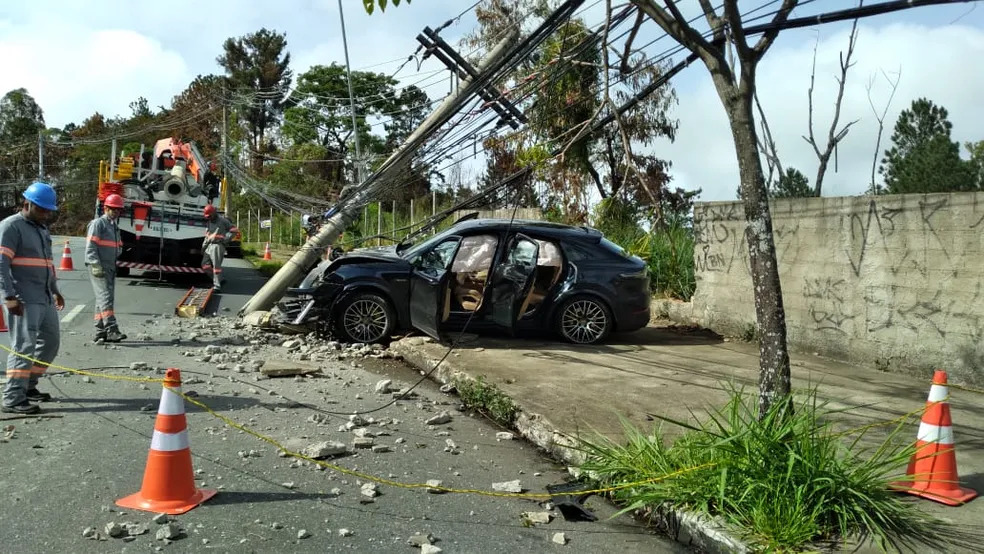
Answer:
(715, 21)
(770, 36)
(736, 31)
(834, 136)
(881, 117)
(625, 68)
(768, 146)
(676, 26)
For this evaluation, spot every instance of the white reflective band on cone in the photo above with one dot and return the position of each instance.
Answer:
(169, 442)
(937, 393)
(171, 403)
(935, 433)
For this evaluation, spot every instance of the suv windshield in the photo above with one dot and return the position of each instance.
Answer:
(412, 251)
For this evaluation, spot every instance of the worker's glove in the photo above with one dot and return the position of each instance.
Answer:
(97, 271)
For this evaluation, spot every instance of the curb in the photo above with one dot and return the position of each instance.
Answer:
(707, 534)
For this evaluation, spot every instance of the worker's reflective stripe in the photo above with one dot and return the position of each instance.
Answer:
(39, 369)
(103, 242)
(9, 252)
(18, 373)
(169, 442)
(217, 270)
(215, 235)
(935, 433)
(171, 403)
(32, 262)
(103, 315)
(938, 393)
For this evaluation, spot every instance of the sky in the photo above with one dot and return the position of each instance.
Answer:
(77, 58)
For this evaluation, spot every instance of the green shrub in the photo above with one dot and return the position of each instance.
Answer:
(487, 398)
(668, 253)
(787, 479)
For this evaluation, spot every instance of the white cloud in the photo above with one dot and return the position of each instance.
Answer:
(936, 63)
(73, 71)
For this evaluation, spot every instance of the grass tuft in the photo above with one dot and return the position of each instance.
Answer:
(787, 480)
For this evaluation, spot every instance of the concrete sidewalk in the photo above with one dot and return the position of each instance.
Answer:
(563, 389)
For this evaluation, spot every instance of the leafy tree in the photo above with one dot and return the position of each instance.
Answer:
(370, 5)
(923, 158)
(80, 177)
(21, 120)
(202, 102)
(258, 66)
(319, 113)
(732, 63)
(976, 150)
(792, 184)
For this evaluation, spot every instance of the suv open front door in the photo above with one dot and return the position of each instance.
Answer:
(512, 281)
(430, 286)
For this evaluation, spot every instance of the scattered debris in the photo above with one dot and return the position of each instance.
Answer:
(303, 534)
(435, 483)
(504, 436)
(538, 518)
(508, 486)
(560, 538)
(284, 368)
(345, 533)
(383, 387)
(439, 419)
(430, 549)
(420, 540)
(370, 490)
(324, 449)
(161, 519)
(169, 531)
(115, 530)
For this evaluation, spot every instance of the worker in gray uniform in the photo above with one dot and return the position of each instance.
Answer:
(218, 233)
(102, 247)
(31, 298)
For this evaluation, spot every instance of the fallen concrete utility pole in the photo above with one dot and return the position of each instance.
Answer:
(294, 269)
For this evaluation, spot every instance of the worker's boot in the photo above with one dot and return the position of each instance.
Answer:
(24, 408)
(100, 336)
(35, 395)
(114, 335)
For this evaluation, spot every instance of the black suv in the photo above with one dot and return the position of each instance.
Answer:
(521, 276)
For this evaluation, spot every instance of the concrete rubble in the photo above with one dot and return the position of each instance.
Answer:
(508, 486)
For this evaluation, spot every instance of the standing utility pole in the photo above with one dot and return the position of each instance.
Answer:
(348, 70)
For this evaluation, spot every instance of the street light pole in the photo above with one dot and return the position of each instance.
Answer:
(348, 70)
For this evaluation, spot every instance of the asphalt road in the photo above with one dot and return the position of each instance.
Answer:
(63, 474)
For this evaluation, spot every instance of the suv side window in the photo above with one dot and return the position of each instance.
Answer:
(577, 252)
(438, 258)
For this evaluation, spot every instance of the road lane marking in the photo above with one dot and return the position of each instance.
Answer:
(71, 315)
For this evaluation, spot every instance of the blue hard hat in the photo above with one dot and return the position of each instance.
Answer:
(41, 194)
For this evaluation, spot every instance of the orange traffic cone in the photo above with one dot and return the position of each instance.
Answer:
(168, 483)
(933, 468)
(266, 252)
(66, 262)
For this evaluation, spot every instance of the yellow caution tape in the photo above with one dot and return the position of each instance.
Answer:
(354, 473)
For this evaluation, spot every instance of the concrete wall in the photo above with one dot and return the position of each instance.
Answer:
(891, 281)
(504, 213)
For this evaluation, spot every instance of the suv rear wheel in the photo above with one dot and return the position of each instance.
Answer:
(365, 318)
(584, 320)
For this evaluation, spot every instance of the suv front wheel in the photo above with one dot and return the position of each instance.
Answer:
(365, 318)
